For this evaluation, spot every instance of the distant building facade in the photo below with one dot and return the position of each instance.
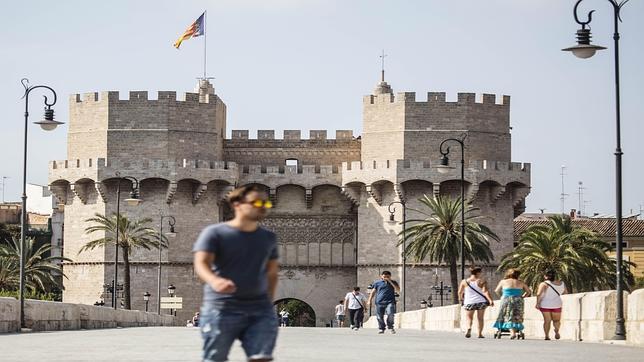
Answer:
(331, 195)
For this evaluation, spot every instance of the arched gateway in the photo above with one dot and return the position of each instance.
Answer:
(331, 197)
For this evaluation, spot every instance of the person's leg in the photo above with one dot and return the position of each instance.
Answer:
(556, 321)
(391, 312)
(359, 317)
(547, 319)
(258, 339)
(469, 316)
(480, 318)
(219, 329)
(380, 316)
(352, 316)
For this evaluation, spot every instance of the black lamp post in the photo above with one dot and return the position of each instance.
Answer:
(133, 200)
(171, 290)
(392, 210)
(444, 167)
(47, 124)
(584, 49)
(171, 222)
(146, 298)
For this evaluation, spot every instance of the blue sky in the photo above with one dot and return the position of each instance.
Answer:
(302, 64)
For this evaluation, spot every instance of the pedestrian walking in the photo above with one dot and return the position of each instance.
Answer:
(339, 313)
(284, 314)
(384, 291)
(511, 311)
(474, 295)
(549, 302)
(354, 302)
(237, 260)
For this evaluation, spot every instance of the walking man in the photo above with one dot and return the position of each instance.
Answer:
(339, 313)
(237, 260)
(354, 301)
(384, 290)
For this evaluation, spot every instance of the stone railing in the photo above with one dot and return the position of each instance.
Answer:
(586, 317)
(56, 316)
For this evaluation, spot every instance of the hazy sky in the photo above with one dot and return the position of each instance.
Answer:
(305, 64)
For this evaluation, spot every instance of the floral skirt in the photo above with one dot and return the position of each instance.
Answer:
(510, 314)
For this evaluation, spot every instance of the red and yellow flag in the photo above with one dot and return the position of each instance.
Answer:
(194, 30)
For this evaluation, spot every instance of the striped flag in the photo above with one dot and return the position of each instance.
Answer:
(196, 29)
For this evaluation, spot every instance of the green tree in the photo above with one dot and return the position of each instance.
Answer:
(437, 235)
(40, 267)
(300, 313)
(577, 254)
(133, 234)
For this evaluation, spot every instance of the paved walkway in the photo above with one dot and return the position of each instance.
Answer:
(300, 344)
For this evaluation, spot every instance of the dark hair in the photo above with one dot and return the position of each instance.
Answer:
(356, 289)
(551, 275)
(239, 194)
(475, 270)
(386, 272)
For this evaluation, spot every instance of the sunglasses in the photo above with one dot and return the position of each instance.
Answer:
(259, 203)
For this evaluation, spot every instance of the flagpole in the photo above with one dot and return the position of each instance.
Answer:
(205, 17)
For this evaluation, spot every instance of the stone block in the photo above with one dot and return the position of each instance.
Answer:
(9, 315)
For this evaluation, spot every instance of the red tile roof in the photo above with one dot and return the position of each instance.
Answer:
(603, 227)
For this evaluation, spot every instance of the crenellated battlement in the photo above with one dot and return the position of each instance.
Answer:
(291, 135)
(275, 169)
(140, 164)
(438, 98)
(138, 96)
(423, 164)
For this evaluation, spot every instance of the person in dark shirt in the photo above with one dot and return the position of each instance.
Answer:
(384, 291)
(237, 260)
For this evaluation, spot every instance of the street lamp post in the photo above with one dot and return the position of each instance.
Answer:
(47, 124)
(146, 298)
(171, 222)
(444, 167)
(133, 200)
(584, 49)
(392, 210)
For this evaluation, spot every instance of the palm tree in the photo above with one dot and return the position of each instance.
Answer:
(576, 254)
(40, 269)
(133, 234)
(438, 235)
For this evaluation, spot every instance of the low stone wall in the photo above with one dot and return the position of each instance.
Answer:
(585, 317)
(56, 316)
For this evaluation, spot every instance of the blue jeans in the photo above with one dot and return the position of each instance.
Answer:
(389, 309)
(256, 328)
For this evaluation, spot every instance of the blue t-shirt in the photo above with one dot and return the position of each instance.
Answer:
(241, 257)
(385, 292)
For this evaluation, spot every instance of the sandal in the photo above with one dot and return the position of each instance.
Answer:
(557, 336)
(469, 333)
(514, 337)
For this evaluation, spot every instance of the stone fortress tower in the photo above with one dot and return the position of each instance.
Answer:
(331, 195)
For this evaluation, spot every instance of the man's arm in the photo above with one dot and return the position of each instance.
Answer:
(461, 291)
(202, 261)
(371, 295)
(272, 269)
(396, 286)
(346, 304)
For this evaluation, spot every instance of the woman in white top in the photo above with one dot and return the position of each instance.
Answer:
(475, 297)
(549, 302)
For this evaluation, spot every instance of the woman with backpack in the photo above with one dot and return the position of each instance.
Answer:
(474, 297)
(549, 302)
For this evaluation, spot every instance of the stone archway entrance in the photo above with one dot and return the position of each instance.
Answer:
(301, 314)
